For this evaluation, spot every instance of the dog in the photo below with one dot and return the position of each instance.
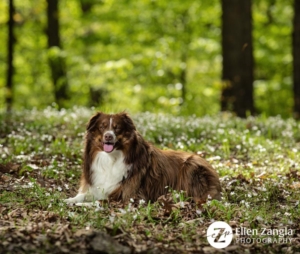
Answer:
(119, 165)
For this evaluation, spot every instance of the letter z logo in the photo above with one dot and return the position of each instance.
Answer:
(219, 234)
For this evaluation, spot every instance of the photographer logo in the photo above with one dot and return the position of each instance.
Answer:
(219, 234)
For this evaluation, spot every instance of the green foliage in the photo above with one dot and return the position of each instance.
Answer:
(273, 54)
(146, 55)
(257, 160)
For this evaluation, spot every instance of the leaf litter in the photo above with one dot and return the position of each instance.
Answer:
(257, 159)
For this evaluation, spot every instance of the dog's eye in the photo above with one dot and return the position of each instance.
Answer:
(117, 129)
(101, 128)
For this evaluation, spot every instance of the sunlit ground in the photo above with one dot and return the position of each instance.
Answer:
(41, 155)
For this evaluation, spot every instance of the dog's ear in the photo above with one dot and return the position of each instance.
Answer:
(91, 124)
(127, 121)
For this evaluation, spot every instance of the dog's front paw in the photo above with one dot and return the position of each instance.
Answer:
(77, 199)
(70, 200)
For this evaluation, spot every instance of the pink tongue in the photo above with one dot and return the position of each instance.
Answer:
(108, 148)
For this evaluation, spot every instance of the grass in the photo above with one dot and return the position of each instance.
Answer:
(41, 155)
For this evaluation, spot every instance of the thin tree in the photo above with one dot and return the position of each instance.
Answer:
(296, 58)
(56, 60)
(237, 50)
(10, 57)
(86, 5)
(184, 54)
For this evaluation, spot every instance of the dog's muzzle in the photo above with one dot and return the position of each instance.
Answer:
(109, 140)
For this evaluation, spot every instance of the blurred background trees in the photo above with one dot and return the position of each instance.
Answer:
(180, 57)
(8, 95)
(56, 57)
(296, 58)
(237, 52)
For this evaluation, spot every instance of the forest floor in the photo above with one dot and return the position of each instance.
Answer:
(257, 159)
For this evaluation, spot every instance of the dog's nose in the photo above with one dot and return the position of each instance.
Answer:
(108, 137)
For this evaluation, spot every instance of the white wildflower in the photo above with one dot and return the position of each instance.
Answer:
(259, 218)
(71, 214)
(122, 210)
(112, 219)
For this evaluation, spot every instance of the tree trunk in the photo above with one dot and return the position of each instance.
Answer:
(10, 54)
(56, 59)
(86, 5)
(237, 74)
(296, 59)
(186, 40)
(182, 77)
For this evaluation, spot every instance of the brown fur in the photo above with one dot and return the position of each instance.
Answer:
(151, 169)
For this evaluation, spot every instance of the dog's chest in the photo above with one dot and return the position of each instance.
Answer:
(108, 170)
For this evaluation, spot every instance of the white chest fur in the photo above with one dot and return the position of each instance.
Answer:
(108, 170)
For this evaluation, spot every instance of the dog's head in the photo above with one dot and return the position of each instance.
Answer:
(109, 132)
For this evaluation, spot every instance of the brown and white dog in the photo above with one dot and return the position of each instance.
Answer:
(119, 164)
